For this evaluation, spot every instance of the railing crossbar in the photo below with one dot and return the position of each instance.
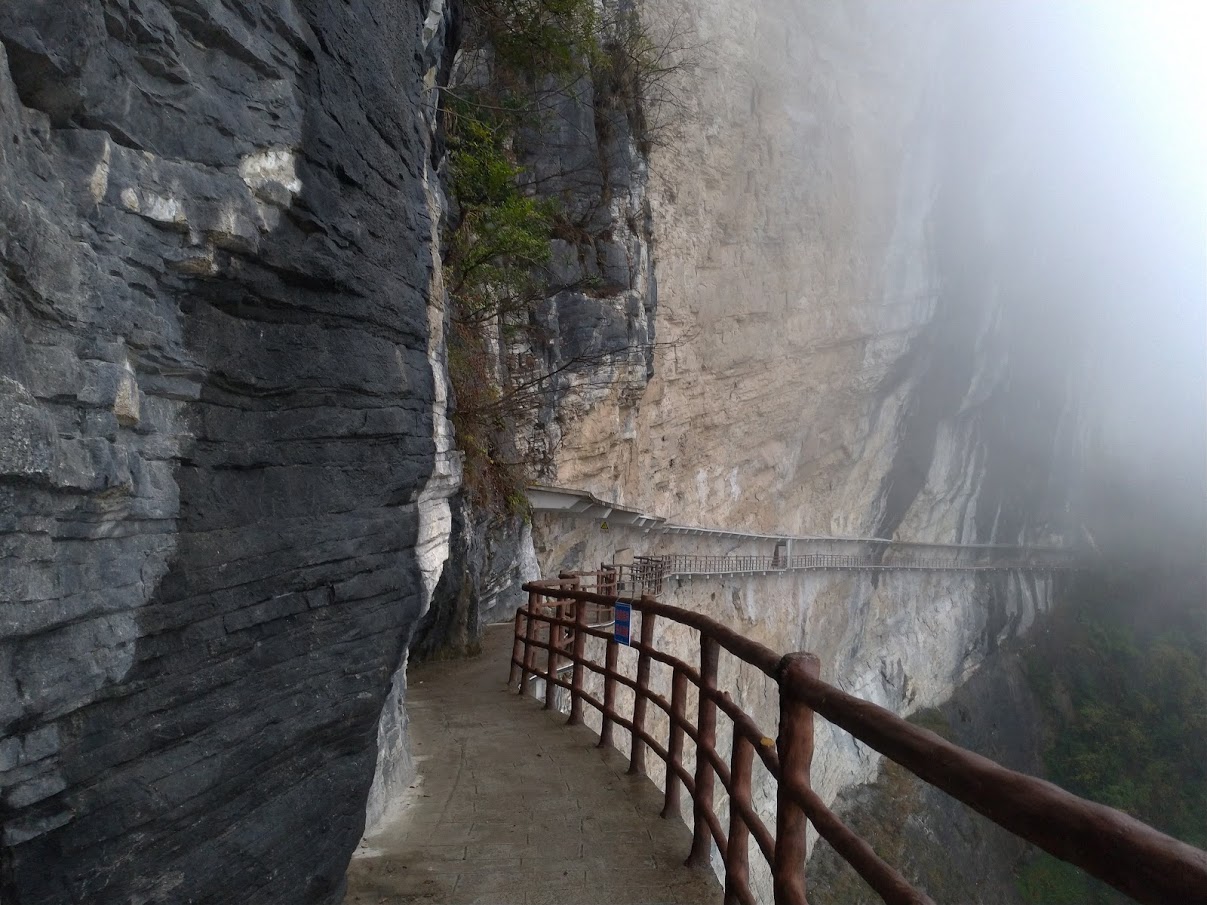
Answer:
(1108, 844)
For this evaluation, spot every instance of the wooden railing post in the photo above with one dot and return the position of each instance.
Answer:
(795, 747)
(555, 641)
(637, 757)
(517, 648)
(529, 636)
(674, 747)
(737, 853)
(706, 735)
(609, 709)
(580, 653)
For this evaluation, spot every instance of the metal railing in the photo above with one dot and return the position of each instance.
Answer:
(689, 564)
(693, 564)
(643, 576)
(1129, 855)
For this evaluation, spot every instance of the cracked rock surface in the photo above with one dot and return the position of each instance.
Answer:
(215, 419)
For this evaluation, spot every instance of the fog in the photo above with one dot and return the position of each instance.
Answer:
(1089, 116)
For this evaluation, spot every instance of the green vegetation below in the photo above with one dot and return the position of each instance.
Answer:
(1121, 679)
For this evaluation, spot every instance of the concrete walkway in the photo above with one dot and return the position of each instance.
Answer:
(511, 807)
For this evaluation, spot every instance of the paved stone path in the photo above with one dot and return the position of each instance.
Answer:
(513, 808)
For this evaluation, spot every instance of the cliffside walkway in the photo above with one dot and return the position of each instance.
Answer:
(956, 559)
(510, 808)
(557, 642)
(648, 574)
(770, 554)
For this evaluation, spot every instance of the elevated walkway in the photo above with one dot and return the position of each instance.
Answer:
(511, 807)
(661, 546)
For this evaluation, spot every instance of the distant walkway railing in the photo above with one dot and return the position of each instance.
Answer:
(937, 560)
(646, 574)
(1129, 855)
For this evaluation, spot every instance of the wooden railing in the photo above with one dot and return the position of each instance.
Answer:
(1129, 855)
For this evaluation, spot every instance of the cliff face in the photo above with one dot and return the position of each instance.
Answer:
(217, 414)
(821, 368)
(595, 335)
(830, 314)
(790, 219)
(917, 277)
(580, 147)
(839, 347)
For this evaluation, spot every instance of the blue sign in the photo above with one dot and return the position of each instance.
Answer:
(624, 619)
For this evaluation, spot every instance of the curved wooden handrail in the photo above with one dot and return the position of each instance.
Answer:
(1148, 865)
(1130, 855)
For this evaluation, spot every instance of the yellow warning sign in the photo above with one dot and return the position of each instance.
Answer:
(603, 526)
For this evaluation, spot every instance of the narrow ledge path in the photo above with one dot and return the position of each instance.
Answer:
(512, 807)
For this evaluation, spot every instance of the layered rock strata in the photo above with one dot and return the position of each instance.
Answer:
(217, 411)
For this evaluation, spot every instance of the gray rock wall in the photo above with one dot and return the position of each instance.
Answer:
(591, 339)
(216, 418)
(596, 332)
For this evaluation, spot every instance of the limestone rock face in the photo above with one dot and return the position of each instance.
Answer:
(595, 333)
(847, 340)
(790, 219)
(589, 342)
(216, 425)
(862, 332)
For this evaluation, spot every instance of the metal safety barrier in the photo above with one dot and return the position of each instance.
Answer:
(688, 564)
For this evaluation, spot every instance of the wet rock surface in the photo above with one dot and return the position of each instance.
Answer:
(215, 419)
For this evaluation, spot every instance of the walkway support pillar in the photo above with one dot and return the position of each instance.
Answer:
(609, 711)
(795, 748)
(517, 649)
(555, 641)
(737, 853)
(706, 741)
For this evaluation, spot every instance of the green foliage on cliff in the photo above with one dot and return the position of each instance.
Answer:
(1125, 695)
(497, 245)
(494, 259)
(528, 71)
(502, 236)
(492, 477)
(525, 61)
(545, 36)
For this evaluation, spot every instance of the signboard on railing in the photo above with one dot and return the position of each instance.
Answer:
(624, 621)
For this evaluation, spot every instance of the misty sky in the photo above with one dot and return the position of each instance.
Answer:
(1098, 107)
